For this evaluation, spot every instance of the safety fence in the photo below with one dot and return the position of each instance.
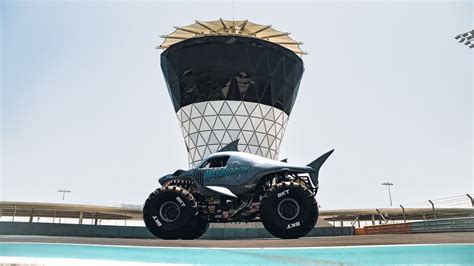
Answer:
(83, 230)
(431, 226)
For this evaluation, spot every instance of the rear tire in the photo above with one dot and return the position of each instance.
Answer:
(289, 210)
(168, 210)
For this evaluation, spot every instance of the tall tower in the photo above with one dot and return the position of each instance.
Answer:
(231, 80)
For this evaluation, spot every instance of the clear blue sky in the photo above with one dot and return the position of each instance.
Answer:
(84, 104)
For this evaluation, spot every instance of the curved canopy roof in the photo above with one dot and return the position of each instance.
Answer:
(232, 27)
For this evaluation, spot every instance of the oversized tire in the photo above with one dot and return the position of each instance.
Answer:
(195, 228)
(289, 210)
(168, 210)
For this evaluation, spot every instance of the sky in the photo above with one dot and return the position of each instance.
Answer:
(84, 105)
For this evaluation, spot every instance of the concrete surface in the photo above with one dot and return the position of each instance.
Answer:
(393, 239)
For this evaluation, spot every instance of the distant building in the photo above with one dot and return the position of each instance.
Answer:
(231, 80)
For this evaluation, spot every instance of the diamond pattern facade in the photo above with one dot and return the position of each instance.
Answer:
(208, 126)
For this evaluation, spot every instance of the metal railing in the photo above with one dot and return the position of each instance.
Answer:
(431, 226)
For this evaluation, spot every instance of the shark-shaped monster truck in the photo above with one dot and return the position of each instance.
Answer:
(232, 186)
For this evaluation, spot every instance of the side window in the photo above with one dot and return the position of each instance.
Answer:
(215, 162)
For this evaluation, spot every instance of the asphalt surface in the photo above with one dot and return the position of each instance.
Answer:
(361, 240)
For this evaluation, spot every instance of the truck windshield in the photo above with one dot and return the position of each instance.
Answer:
(215, 162)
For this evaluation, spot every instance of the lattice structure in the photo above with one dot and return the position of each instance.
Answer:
(208, 126)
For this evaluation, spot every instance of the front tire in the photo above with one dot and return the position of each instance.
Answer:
(195, 228)
(167, 210)
(289, 210)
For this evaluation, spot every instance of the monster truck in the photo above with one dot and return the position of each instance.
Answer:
(232, 186)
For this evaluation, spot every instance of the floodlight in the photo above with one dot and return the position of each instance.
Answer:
(467, 36)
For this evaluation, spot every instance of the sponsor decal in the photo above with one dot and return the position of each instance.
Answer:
(181, 202)
(293, 225)
(283, 193)
(157, 221)
(225, 171)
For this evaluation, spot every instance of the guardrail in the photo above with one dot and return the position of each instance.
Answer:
(447, 225)
(431, 226)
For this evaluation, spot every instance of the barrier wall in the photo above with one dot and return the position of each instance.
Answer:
(431, 226)
(445, 225)
(48, 229)
(83, 230)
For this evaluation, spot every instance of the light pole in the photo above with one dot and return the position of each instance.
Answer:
(467, 37)
(64, 191)
(388, 184)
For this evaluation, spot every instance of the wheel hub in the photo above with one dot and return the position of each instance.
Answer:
(288, 209)
(169, 211)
